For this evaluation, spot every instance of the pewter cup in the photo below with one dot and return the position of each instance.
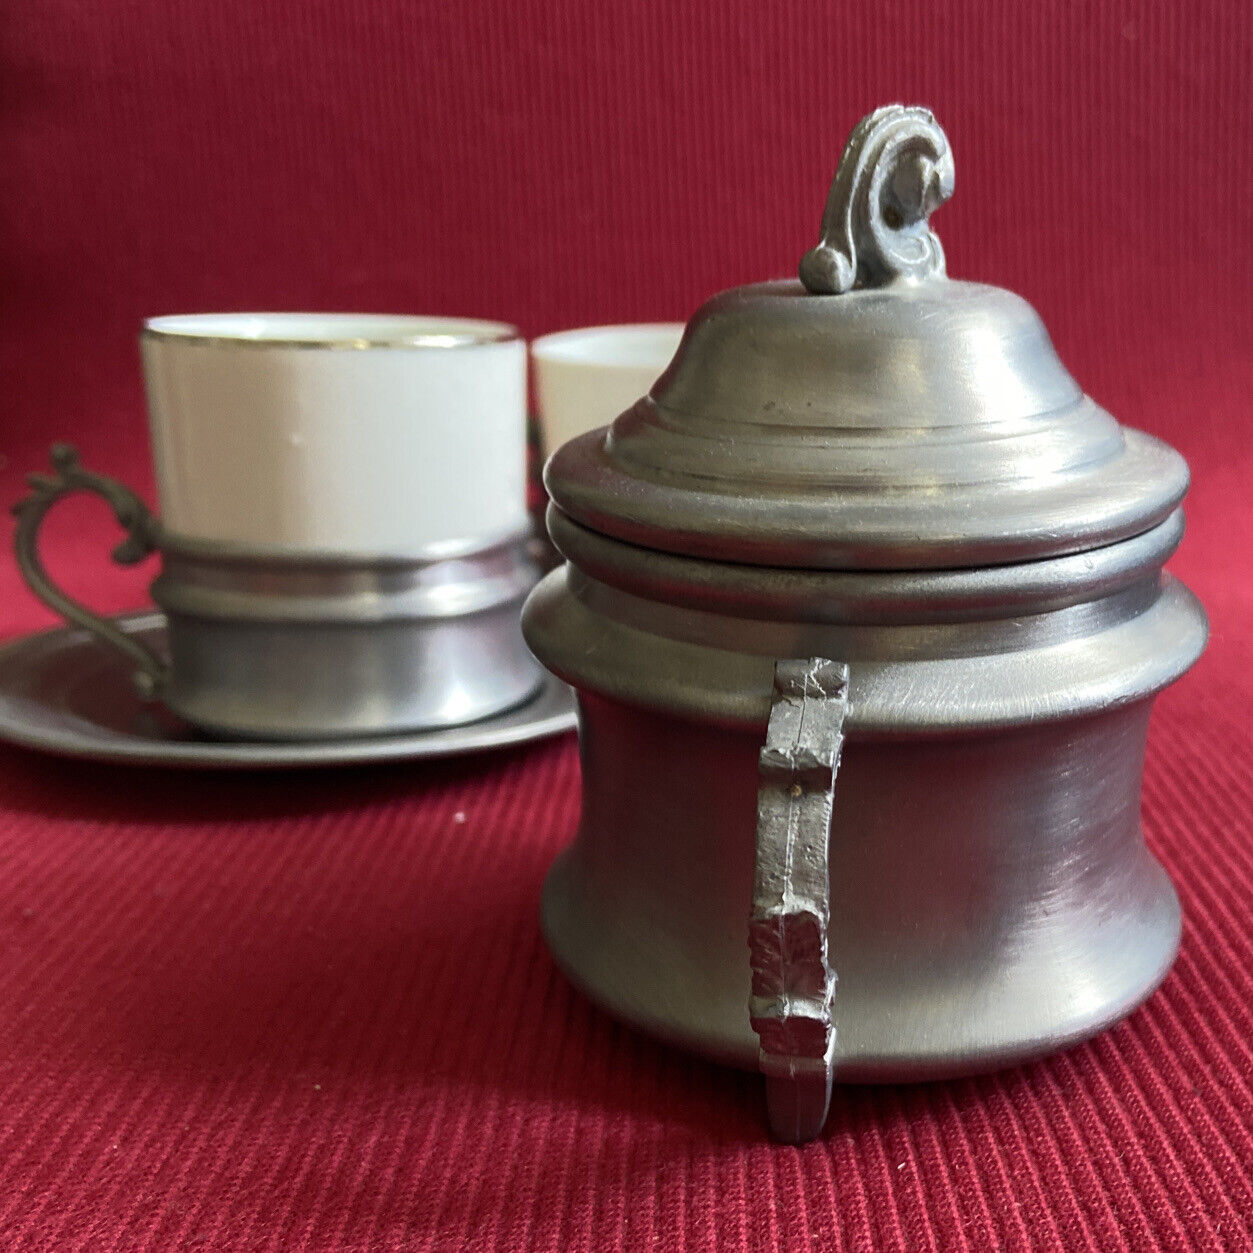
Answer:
(344, 540)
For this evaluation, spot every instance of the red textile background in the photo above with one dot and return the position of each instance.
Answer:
(313, 1011)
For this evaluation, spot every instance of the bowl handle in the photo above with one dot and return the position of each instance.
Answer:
(131, 512)
(793, 983)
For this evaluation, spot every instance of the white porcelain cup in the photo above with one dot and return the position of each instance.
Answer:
(343, 531)
(341, 434)
(584, 378)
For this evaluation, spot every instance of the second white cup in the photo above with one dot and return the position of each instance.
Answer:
(584, 378)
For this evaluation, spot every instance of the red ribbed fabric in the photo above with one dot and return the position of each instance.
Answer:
(313, 1011)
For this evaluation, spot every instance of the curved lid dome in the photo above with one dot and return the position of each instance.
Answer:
(873, 415)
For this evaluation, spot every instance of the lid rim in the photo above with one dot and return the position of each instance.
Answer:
(776, 593)
(861, 531)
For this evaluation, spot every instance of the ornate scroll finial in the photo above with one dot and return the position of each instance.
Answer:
(895, 169)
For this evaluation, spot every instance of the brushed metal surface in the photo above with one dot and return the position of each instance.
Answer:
(992, 898)
(875, 416)
(64, 692)
(927, 427)
(905, 679)
(274, 648)
(991, 894)
(885, 470)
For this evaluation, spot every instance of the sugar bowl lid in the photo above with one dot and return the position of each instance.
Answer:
(874, 415)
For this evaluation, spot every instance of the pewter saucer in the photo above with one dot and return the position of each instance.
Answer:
(62, 692)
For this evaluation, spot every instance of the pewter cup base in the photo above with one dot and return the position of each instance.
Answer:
(307, 682)
(267, 648)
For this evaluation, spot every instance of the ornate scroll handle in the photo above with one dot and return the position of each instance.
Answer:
(131, 513)
(895, 169)
(793, 983)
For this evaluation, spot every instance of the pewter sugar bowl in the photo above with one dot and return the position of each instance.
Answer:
(865, 608)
